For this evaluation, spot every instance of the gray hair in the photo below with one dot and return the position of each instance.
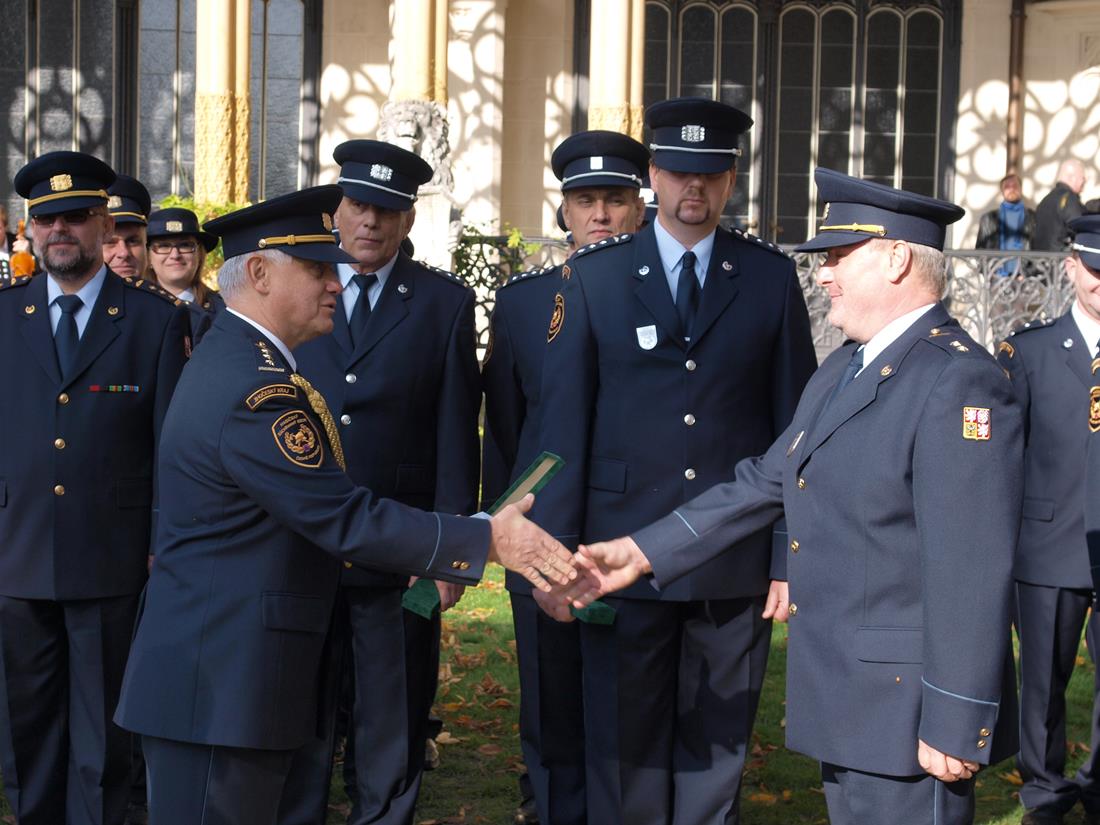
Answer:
(927, 262)
(232, 275)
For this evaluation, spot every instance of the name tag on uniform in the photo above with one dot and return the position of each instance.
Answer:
(647, 337)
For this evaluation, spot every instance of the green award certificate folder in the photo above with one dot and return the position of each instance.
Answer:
(534, 478)
(422, 598)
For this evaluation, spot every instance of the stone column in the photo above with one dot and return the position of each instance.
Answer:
(242, 114)
(609, 66)
(637, 68)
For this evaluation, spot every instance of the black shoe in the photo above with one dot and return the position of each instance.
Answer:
(526, 813)
(1039, 816)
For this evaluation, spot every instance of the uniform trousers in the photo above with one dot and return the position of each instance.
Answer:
(670, 695)
(195, 784)
(551, 714)
(392, 656)
(858, 798)
(61, 666)
(1048, 622)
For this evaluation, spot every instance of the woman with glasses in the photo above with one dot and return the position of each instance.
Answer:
(177, 252)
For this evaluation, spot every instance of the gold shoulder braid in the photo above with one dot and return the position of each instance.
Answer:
(317, 402)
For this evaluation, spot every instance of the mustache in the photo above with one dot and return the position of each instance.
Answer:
(60, 237)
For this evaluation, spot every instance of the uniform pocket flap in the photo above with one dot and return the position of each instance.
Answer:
(291, 611)
(607, 474)
(890, 644)
(135, 492)
(1040, 509)
(414, 478)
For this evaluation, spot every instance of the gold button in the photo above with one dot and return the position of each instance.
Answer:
(690, 364)
(801, 484)
(59, 490)
(455, 565)
(981, 744)
(793, 609)
(897, 679)
(794, 545)
(464, 566)
(63, 398)
(689, 474)
(347, 564)
(984, 732)
(59, 443)
(689, 419)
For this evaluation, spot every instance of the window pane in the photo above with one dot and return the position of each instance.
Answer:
(655, 73)
(697, 37)
(880, 111)
(797, 33)
(738, 58)
(834, 101)
(921, 112)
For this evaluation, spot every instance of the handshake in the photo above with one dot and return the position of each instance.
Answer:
(562, 579)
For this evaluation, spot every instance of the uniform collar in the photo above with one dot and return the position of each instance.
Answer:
(88, 293)
(1088, 326)
(671, 251)
(890, 333)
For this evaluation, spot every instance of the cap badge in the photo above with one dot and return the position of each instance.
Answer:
(61, 183)
(173, 226)
(693, 134)
(595, 163)
(114, 202)
(379, 171)
(977, 424)
(326, 220)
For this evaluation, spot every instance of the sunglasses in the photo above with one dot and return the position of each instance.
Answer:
(77, 217)
(166, 247)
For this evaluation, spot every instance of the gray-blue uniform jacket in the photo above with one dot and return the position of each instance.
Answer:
(1050, 361)
(902, 500)
(645, 422)
(410, 394)
(76, 466)
(255, 517)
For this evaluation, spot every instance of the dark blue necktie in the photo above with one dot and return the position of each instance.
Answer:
(687, 294)
(854, 366)
(66, 339)
(357, 326)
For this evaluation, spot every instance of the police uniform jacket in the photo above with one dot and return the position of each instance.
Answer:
(407, 398)
(76, 467)
(1049, 364)
(646, 422)
(903, 514)
(256, 517)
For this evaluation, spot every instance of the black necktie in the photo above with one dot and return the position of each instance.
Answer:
(687, 293)
(65, 338)
(357, 326)
(854, 366)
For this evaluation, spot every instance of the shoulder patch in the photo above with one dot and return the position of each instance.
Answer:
(144, 285)
(527, 275)
(606, 242)
(298, 439)
(753, 239)
(18, 280)
(1027, 326)
(557, 320)
(269, 392)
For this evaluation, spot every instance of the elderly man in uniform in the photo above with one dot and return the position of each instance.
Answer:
(900, 677)
(601, 174)
(400, 372)
(124, 249)
(90, 363)
(672, 354)
(257, 516)
(1050, 362)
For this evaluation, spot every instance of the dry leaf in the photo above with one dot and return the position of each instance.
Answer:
(490, 749)
(446, 738)
(1012, 778)
(763, 798)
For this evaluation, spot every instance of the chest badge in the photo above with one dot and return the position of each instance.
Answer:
(647, 337)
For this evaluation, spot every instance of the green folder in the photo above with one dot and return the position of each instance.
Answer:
(534, 478)
(422, 598)
(595, 613)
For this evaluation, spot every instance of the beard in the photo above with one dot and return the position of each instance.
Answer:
(67, 266)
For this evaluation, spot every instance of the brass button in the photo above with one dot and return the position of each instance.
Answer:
(347, 564)
(801, 484)
(897, 679)
(981, 744)
(59, 490)
(984, 732)
(59, 443)
(455, 565)
(63, 398)
(689, 474)
(691, 365)
(793, 609)
(351, 378)
(464, 566)
(345, 419)
(794, 545)
(689, 419)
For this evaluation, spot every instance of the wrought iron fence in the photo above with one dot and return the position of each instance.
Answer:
(990, 292)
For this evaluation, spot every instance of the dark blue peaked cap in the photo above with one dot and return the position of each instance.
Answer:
(299, 224)
(63, 181)
(695, 134)
(599, 158)
(169, 223)
(856, 210)
(380, 173)
(128, 200)
(1086, 239)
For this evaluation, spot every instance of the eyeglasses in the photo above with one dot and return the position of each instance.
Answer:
(75, 218)
(166, 247)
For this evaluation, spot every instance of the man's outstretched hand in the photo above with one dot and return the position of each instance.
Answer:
(608, 566)
(524, 547)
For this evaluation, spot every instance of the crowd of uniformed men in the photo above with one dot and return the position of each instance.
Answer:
(272, 481)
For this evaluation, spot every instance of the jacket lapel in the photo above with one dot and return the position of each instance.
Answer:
(390, 309)
(37, 331)
(720, 287)
(652, 286)
(102, 328)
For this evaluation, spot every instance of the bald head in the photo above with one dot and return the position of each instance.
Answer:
(1072, 174)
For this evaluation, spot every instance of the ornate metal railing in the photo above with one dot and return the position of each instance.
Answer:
(990, 293)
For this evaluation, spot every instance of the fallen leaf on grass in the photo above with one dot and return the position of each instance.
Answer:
(490, 749)
(1012, 778)
(502, 704)
(479, 614)
(763, 798)
(490, 686)
(787, 795)
(446, 738)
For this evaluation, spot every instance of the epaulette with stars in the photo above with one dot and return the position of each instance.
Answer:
(746, 236)
(528, 275)
(948, 338)
(611, 241)
(144, 285)
(18, 280)
(1038, 323)
(443, 273)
